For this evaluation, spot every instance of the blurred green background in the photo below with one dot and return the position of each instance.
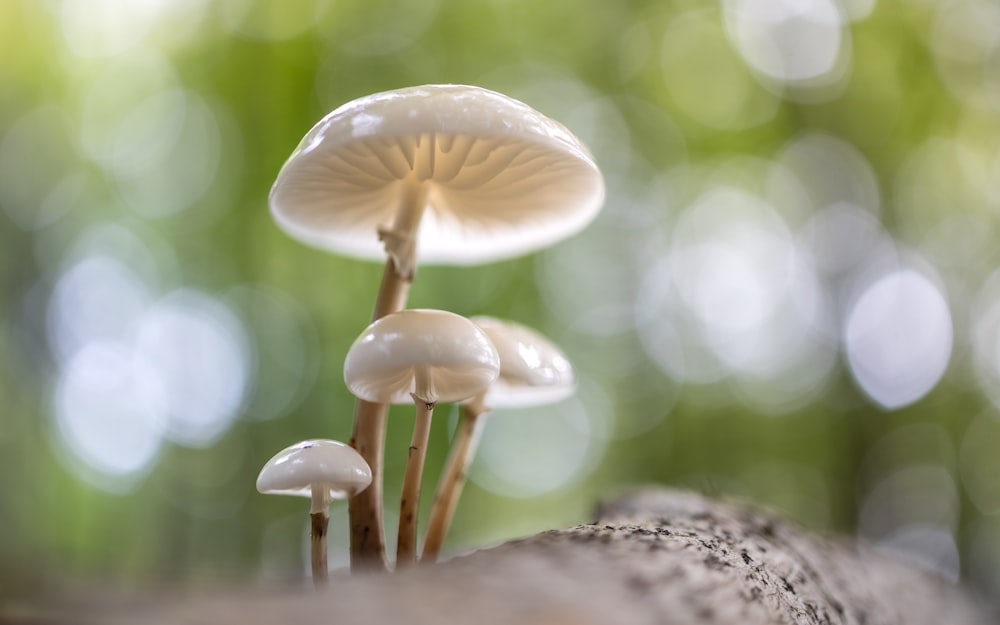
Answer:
(789, 297)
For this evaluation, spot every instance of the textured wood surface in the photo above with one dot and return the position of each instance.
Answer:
(654, 556)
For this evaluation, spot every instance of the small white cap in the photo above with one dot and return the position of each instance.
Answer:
(501, 179)
(315, 464)
(533, 370)
(453, 355)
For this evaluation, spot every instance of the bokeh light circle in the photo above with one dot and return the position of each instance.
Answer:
(198, 348)
(110, 411)
(898, 338)
(529, 452)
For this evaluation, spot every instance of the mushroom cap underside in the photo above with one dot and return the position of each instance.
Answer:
(498, 178)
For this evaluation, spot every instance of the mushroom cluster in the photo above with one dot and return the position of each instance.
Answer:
(445, 174)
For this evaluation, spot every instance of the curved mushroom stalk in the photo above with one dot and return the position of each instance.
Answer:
(453, 477)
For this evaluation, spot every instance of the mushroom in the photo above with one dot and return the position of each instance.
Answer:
(464, 174)
(533, 372)
(321, 470)
(419, 356)
(452, 173)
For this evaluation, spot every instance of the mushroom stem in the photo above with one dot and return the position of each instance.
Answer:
(365, 508)
(406, 545)
(392, 292)
(320, 518)
(400, 240)
(453, 477)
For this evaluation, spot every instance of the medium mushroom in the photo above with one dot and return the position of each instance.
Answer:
(419, 356)
(533, 372)
(453, 174)
(322, 470)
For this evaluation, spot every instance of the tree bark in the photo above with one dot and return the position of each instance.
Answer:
(655, 556)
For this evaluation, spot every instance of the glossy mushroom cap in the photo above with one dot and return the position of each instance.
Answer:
(305, 466)
(501, 179)
(533, 371)
(454, 355)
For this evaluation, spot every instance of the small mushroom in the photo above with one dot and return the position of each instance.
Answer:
(451, 174)
(533, 372)
(321, 470)
(419, 356)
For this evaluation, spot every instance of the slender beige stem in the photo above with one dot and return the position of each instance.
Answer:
(453, 477)
(319, 515)
(392, 292)
(365, 508)
(406, 545)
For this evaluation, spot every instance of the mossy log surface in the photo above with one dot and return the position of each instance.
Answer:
(654, 556)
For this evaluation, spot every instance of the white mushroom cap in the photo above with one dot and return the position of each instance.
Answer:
(501, 178)
(452, 355)
(533, 370)
(315, 464)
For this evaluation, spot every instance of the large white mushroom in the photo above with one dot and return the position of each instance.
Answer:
(444, 173)
(533, 372)
(462, 174)
(419, 356)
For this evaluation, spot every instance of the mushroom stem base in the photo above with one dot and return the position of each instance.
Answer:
(317, 539)
(365, 508)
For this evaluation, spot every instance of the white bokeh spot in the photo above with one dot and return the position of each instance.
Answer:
(898, 338)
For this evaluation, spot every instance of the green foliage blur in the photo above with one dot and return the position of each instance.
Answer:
(789, 297)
